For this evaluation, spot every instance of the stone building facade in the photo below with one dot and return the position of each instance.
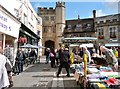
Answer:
(79, 31)
(108, 29)
(79, 28)
(53, 24)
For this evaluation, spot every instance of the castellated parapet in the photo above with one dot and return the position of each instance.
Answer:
(60, 4)
(46, 10)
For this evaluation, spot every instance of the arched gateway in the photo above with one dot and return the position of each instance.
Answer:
(50, 44)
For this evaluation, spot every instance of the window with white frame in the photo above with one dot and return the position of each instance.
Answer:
(78, 25)
(38, 21)
(19, 0)
(38, 32)
(100, 32)
(25, 19)
(88, 25)
(16, 12)
(69, 27)
(112, 31)
(31, 15)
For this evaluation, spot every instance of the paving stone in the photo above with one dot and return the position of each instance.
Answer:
(42, 76)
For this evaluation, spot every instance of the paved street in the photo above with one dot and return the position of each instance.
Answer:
(42, 76)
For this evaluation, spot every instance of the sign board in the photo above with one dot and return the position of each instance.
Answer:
(8, 25)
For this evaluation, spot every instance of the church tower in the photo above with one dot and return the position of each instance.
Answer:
(60, 22)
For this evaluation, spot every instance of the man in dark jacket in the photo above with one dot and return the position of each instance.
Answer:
(64, 61)
(20, 59)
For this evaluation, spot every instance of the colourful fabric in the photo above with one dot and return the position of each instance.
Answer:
(101, 86)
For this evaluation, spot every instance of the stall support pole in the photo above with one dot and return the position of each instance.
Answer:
(85, 70)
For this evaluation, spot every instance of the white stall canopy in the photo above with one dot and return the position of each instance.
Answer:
(112, 44)
(89, 45)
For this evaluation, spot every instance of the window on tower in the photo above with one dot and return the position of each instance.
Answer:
(46, 18)
(52, 18)
(44, 29)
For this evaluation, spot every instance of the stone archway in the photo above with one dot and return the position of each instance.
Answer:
(50, 44)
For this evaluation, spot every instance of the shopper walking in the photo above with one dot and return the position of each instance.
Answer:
(20, 59)
(47, 54)
(57, 57)
(64, 61)
(52, 58)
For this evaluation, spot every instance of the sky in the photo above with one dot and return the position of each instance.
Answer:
(83, 9)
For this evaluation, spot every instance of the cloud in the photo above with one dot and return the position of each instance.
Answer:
(100, 13)
(112, 6)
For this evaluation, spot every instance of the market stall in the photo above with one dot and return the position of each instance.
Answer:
(93, 76)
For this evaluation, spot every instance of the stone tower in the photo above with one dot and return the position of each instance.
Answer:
(53, 23)
(60, 22)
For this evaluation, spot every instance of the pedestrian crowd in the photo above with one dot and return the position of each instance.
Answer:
(58, 58)
(8, 66)
(63, 57)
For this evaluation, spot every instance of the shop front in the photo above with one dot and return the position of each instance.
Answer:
(9, 30)
(26, 36)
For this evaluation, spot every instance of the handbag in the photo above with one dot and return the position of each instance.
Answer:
(9, 70)
(8, 67)
(51, 55)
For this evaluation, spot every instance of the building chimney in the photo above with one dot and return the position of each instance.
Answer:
(78, 16)
(94, 14)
